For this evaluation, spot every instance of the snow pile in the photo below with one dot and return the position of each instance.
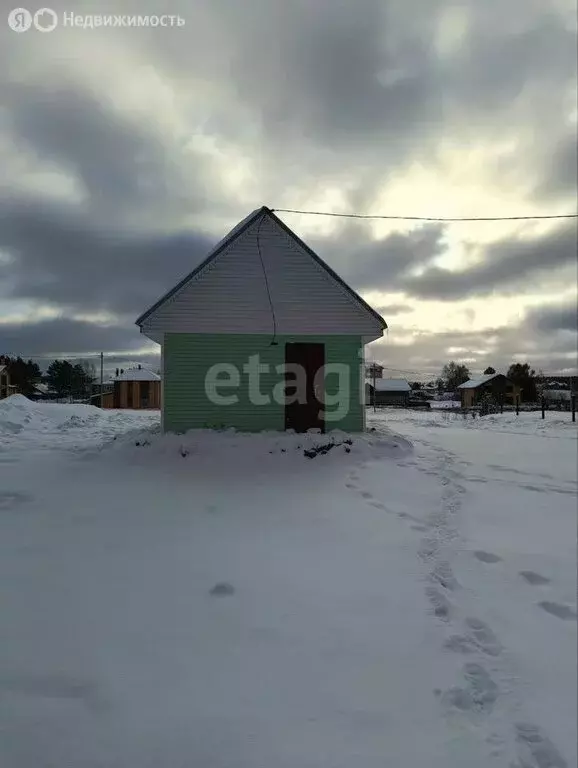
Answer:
(529, 422)
(242, 451)
(555, 424)
(24, 422)
(17, 413)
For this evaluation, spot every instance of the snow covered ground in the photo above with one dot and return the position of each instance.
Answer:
(27, 425)
(222, 600)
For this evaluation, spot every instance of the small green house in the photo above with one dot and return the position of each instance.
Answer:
(262, 335)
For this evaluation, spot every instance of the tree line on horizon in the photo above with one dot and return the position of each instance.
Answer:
(64, 379)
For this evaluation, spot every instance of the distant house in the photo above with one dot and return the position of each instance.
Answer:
(40, 391)
(263, 309)
(387, 392)
(136, 389)
(6, 388)
(495, 386)
(558, 398)
(561, 382)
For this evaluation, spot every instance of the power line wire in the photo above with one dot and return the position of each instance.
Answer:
(271, 307)
(426, 218)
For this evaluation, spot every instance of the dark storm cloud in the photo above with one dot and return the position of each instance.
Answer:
(424, 353)
(64, 259)
(511, 47)
(506, 263)
(314, 95)
(324, 72)
(147, 359)
(392, 310)
(560, 171)
(557, 317)
(60, 257)
(121, 163)
(379, 265)
(338, 88)
(62, 336)
(363, 84)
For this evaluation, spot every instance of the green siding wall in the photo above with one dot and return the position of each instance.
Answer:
(188, 357)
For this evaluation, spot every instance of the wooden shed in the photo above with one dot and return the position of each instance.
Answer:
(262, 335)
(135, 389)
(497, 387)
(387, 392)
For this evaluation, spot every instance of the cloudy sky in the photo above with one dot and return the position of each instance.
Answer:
(126, 152)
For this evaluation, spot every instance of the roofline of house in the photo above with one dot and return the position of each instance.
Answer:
(259, 212)
(485, 381)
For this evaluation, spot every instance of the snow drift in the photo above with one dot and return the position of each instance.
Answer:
(18, 413)
(24, 423)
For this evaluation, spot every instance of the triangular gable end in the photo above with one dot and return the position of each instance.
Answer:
(229, 237)
(262, 278)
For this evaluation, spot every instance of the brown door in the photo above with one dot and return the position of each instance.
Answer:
(129, 393)
(306, 412)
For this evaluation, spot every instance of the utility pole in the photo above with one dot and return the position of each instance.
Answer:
(102, 379)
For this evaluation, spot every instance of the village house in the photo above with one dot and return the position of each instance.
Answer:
(135, 389)
(6, 387)
(387, 392)
(262, 335)
(495, 387)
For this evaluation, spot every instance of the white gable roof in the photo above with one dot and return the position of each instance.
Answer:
(473, 383)
(138, 374)
(262, 279)
(390, 385)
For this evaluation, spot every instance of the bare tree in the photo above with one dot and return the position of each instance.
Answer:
(454, 374)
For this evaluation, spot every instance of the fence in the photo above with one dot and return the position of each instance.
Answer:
(542, 407)
(486, 409)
